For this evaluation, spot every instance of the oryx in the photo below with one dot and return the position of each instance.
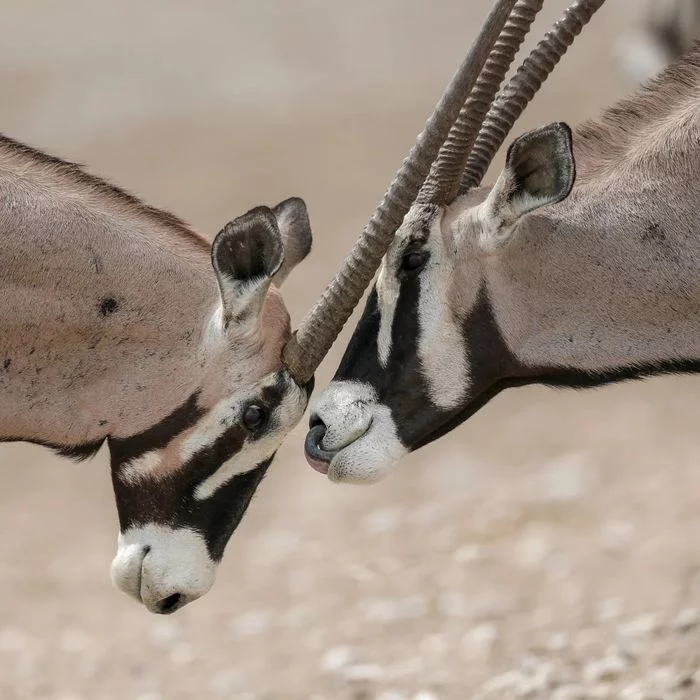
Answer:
(119, 324)
(579, 267)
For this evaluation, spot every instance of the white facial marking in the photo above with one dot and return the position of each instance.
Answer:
(154, 562)
(498, 214)
(387, 299)
(441, 347)
(362, 429)
(209, 428)
(136, 469)
(252, 454)
(254, 451)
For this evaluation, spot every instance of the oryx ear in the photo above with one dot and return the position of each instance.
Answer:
(293, 222)
(540, 170)
(246, 254)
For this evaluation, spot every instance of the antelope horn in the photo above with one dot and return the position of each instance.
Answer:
(308, 346)
(442, 184)
(520, 90)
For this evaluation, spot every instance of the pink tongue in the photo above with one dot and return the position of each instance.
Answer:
(318, 465)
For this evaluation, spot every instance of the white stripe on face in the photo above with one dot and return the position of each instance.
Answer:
(136, 469)
(441, 347)
(255, 451)
(387, 299)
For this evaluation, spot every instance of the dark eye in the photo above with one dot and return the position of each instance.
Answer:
(254, 417)
(414, 260)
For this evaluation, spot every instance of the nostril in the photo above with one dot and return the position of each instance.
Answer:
(315, 420)
(170, 604)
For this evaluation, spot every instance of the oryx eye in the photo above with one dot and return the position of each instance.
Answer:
(414, 260)
(254, 417)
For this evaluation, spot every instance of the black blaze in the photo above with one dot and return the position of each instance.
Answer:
(401, 385)
(170, 499)
(492, 367)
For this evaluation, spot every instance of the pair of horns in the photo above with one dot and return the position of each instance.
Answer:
(466, 129)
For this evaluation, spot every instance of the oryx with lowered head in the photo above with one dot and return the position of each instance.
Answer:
(122, 325)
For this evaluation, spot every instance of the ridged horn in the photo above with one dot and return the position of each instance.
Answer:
(443, 182)
(520, 90)
(310, 343)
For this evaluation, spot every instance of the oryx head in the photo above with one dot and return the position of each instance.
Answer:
(182, 486)
(413, 369)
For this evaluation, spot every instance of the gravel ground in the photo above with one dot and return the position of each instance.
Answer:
(545, 550)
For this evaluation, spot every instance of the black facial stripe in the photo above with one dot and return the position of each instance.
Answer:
(170, 499)
(400, 385)
(158, 435)
(405, 389)
(493, 368)
(489, 361)
(360, 362)
(155, 437)
(218, 516)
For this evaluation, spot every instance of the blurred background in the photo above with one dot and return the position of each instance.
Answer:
(551, 541)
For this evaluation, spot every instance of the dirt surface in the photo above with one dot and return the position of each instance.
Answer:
(547, 549)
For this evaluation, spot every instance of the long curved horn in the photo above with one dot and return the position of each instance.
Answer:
(308, 346)
(522, 87)
(442, 184)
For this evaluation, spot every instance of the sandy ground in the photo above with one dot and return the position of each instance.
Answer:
(548, 549)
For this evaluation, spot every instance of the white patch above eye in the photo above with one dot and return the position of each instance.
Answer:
(441, 346)
(134, 470)
(215, 333)
(252, 454)
(254, 451)
(211, 426)
(387, 298)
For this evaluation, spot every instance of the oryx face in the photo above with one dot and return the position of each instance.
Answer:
(427, 351)
(183, 484)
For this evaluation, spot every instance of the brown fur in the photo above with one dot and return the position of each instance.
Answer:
(104, 308)
(16, 155)
(638, 127)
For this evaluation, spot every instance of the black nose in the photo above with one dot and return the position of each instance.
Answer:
(170, 604)
(318, 457)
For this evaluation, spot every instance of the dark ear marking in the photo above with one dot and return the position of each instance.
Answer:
(542, 165)
(245, 254)
(249, 247)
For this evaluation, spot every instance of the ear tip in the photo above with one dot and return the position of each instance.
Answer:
(293, 201)
(296, 210)
(257, 216)
(564, 130)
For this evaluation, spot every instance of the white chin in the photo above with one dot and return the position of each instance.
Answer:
(362, 430)
(367, 460)
(345, 470)
(156, 564)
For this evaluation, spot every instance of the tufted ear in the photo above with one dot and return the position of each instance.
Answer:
(246, 254)
(540, 170)
(293, 222)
